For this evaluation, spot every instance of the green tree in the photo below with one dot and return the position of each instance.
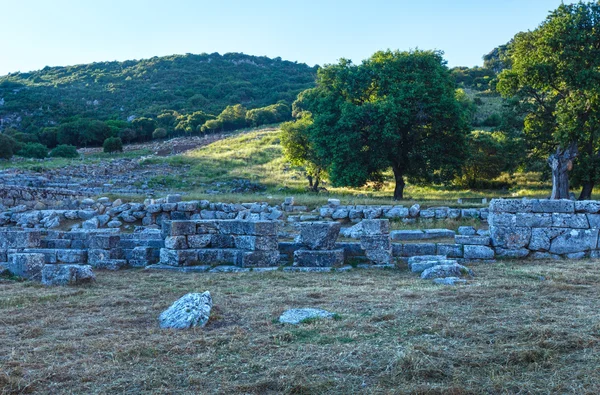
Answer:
(159, 133)
(555, 77)
(231, 118)
(299, 152)
(33, 150)
(112, 144)
(396, 109)
(7, 146)
(143, 127)
(64, 151)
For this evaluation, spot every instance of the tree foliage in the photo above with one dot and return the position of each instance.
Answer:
(112, 144)
(33, 150)
(64, 151)
(396, 109)
(555, 75)
(7, 146)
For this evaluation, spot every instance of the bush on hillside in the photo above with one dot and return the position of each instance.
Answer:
(7, 146)
(159, 133)
(64, 151)
(113, 144)
(33, 150)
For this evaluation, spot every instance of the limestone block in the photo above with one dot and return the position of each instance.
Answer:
(575, 240)
(553, 206)
(450, 250)
(256, 243)
(443, 271)
(67, 275)
(541, 238)
(472, 240)
(104, 241)
(375, 242)
(513, 254)
(478, 252)
(26, 265)
(510, 237)
(318, 258)
(192, 205)
(575, 221)
(466, 231)
(341, 213)
(191, 310)
(260, 258)
(379, 256)
(397, 212)
(72, 256)
(176, 242)
(587, 206)
(180, 228)
(179, 257)
(199, 241)
(407, 235)
(511, 206)
(318, 235)
(375, 227)
(413, 249)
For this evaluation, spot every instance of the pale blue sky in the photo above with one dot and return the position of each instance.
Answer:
(37, 33)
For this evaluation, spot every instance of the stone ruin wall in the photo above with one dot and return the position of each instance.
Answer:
(545, 229)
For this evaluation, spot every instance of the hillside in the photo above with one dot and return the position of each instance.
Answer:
(145, 88)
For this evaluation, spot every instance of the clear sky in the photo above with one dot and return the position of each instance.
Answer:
(37, 33)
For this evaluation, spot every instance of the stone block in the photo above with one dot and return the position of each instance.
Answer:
(478, 252)
(142, 254)
(594, 220)
(375, 227)
(443, 271)
(379, 256)
(438, 233)
(472, 240)
(407, 235)
(510, 237)
(256, 243)
(104, 241)
(466, 231)
(174, 198)
(441, 212)
(313, 258)
(178, 257)
(221, 241)
(502, 219)
(575, 240)
(180, 228)
(469, 213)
(454, 213)
(375, 242)
(192, 205)
(577, 255)
(397, 212)
(26, 265)
(219, 256)
(553, 206)
(318, 235)
(110, 264)
(199, 241)
(340, 213)
(396, 249)
(511, 206)
(512, 254)
(450, 250)
(544, 255)
(249, 228)
(176, 242)
(325, 212)
(414, 249)
(67, 275)
(573, 221)
(18, 239)
(72, 256)
(372, 212)
(587, 206)
(427, 214)
(180, 216)
(531, 220)
(260, 258)
(542, 237)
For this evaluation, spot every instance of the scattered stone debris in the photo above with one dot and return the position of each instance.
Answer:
(297, 316)
(191, 310)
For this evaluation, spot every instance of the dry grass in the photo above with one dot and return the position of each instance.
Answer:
(517, 328)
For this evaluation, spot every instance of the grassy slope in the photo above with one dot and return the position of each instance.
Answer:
(517, 328)
(257, 156)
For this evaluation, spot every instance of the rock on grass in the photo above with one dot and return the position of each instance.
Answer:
(296, 316)
(189, 311)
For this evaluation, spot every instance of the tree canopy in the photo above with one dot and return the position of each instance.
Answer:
(555, 74)
(396, 109)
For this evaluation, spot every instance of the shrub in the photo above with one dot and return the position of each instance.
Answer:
(159, 133)
(33, 150)
(493, 120)
(113, 144)
(7, 146)
(64, 151)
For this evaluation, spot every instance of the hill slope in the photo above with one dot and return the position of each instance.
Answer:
(117, 90)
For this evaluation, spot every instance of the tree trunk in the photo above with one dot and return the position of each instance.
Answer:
(310, 181)
(560, 163)
(586, 191)
(399, 188)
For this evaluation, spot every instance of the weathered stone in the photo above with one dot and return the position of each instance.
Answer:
(466, 231)
(297, 316)
(577, 221)
(407, 235)
(413, 249)
(72, 256)
(191, 310)
(454, 213)
(318, 235)
(438, 233)
(469, 213)
(176, 242)
(510, 237)
(511, 206)
(174, 198)
(544, 255)
(379, 256)
(576, 255)
(187, 206)
(259, 258)
(542, 237)
(249, 228)
(502, 219)
(105, 242)
(179, 257)
(326, 212)
(414, 210)
(553, 206)
(18, 239)
(513, 254)
(340, 214)
(443, 271)
(114, 224)
(427, 214)
(375, 227)
(587, 206)
(478, 252)
(531, 220)
(572, 241)
(318, 258)
(199, 241)
(256, 243)
(26, 265)
(594, 220)
(180, 228)
(397, 212)
(375, 242)
(472, 240)
(67, 275)
(450, 250)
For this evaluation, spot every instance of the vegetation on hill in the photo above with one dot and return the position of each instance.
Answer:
(86, 104)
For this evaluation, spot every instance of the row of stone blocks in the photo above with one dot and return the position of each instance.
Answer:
(33, 266)
(543, 229)
(213, 242)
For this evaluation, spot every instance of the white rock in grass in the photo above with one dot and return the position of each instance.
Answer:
(191, 310)
(296, 316)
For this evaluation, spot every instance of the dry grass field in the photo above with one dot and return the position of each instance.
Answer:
(516, 328)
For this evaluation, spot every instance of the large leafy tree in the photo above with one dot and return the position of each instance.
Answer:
(555, 75)
(396, 109)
